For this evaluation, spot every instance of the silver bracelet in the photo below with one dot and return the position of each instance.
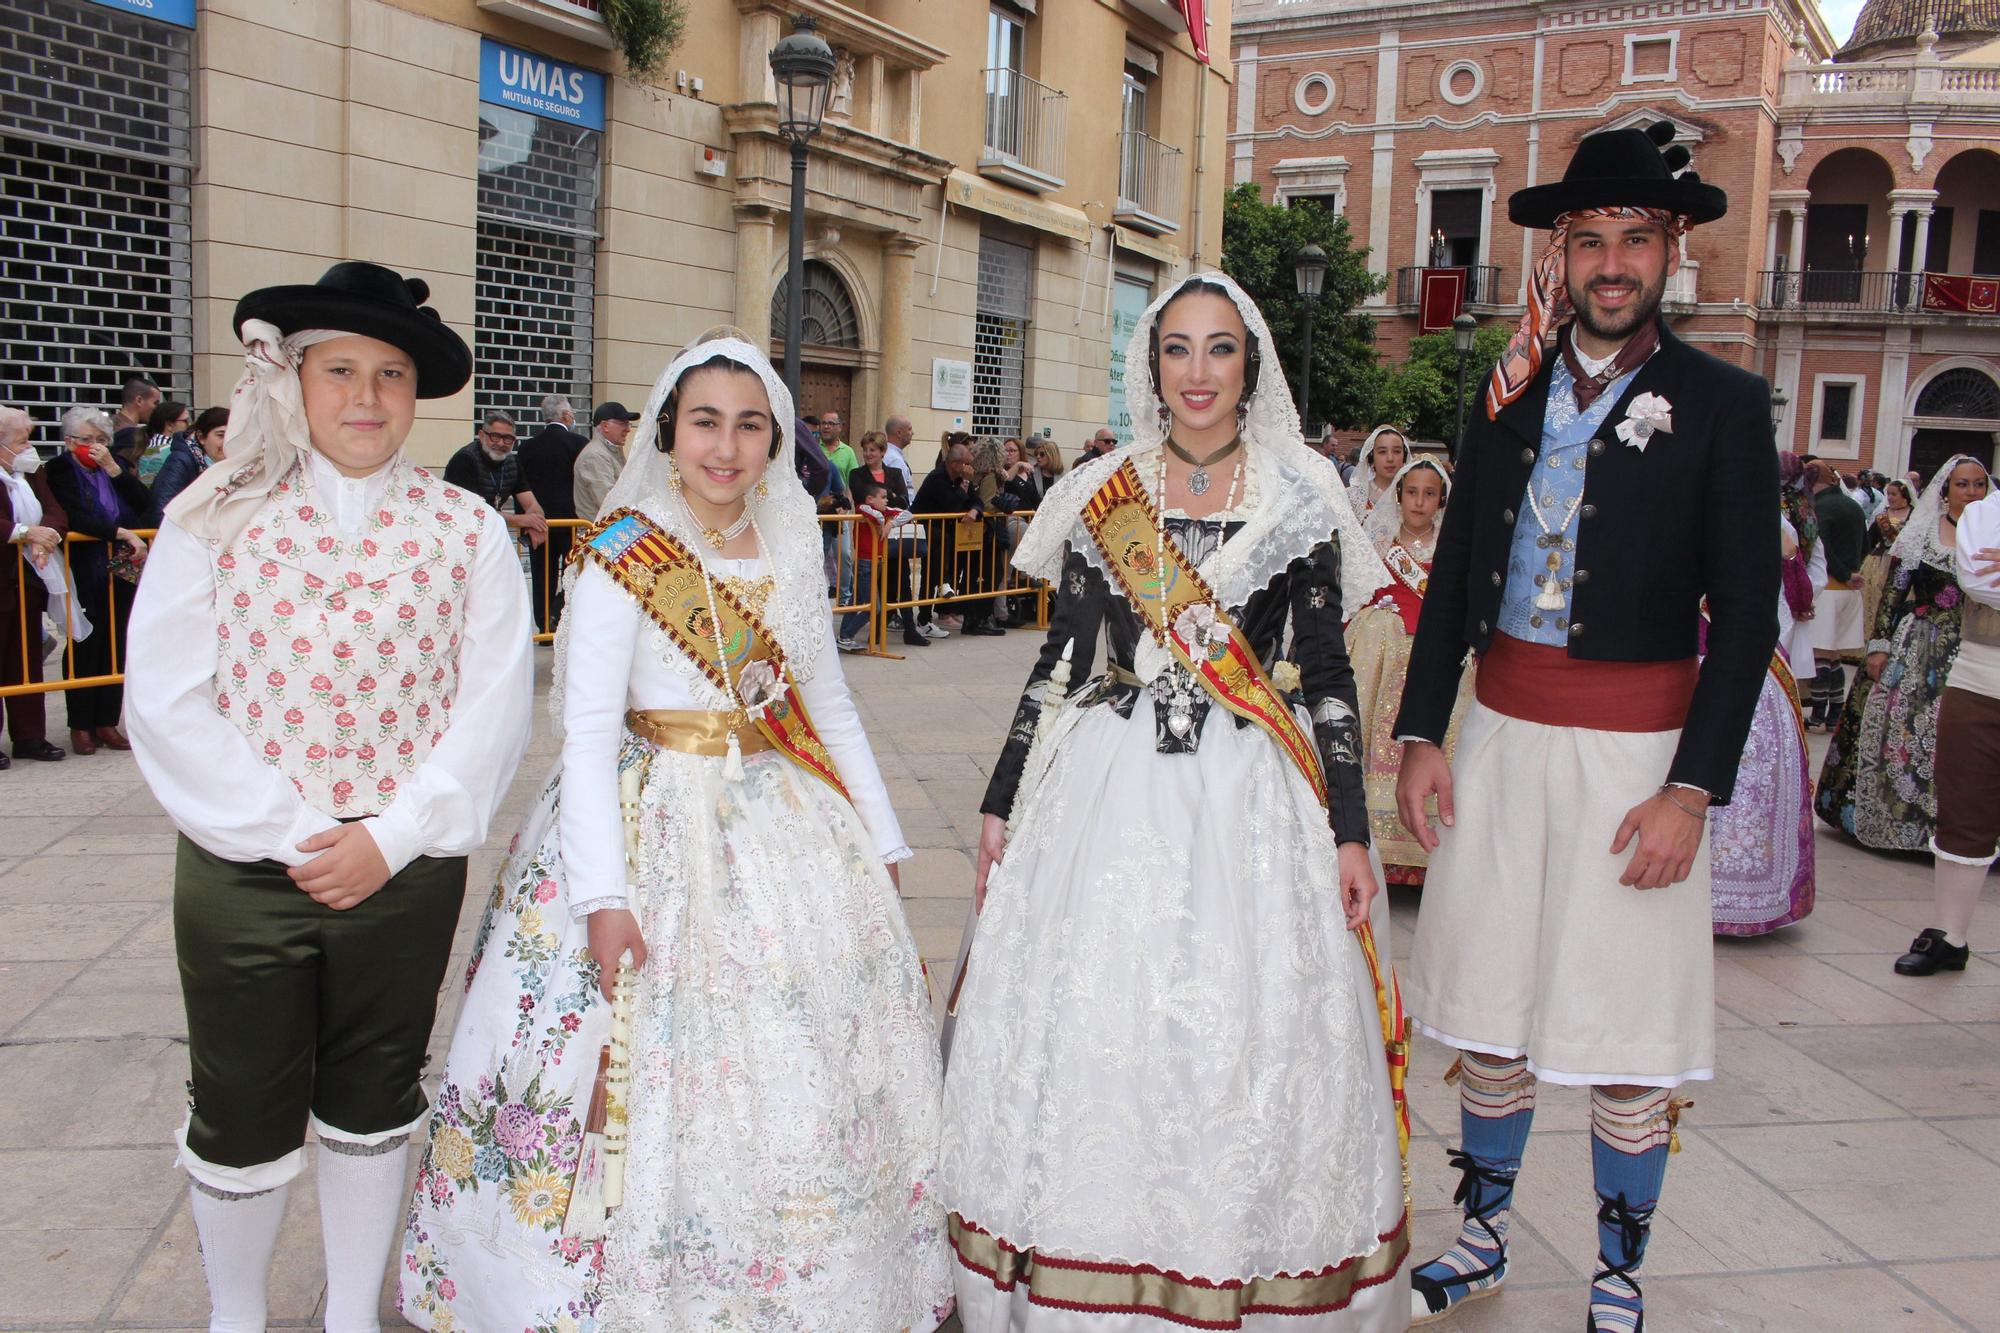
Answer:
(1667, 790)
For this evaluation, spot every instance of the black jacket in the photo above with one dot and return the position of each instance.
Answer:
(1687, 518)
(892, 481)
(548, 468)
(1306, 595)
(1843, 533)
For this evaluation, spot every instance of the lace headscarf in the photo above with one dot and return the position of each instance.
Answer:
(1386, 519)
(1918, 541)
(267, 435)
(1362, 484)
(796, 612)
(1300, 498)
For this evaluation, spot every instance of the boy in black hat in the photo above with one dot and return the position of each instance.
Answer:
(329, 688)
(1565, 927)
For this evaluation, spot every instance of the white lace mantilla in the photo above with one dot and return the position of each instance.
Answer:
(1301, 501)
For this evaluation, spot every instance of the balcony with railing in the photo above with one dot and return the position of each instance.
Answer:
(1025, 125)
(1149, 183)
(1482, 283)
(1842, 294)
(1890, 84)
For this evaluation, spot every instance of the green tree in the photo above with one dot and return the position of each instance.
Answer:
(1258, 242)
(1421, 394)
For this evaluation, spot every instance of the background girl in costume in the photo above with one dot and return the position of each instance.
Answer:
(1378, 643)
(783, 1119)
(1383, 454)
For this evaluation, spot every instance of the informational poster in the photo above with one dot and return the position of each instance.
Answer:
(180, 13)
(539, 85)
(951, 385)
(1129, 299)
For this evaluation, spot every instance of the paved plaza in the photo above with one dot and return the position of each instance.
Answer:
(1839, 1174)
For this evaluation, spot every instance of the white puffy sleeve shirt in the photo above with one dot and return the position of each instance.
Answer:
(222, 794)
(613, 669)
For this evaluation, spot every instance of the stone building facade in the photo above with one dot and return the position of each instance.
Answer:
(996, 185)
(1417, 122)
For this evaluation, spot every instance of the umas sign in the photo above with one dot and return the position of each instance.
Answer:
(553, 89)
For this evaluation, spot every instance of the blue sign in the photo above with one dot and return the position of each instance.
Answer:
(180, 13)
(552, 89)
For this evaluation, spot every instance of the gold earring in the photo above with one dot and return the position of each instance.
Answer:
(673, 477)
(763, 489)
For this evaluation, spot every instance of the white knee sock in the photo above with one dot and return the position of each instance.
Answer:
(238, 1235)
(1957, 886)
(361, 1199)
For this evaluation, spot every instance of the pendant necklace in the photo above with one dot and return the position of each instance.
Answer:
(1550, 598)
(716, 537)
(1197, 482)
(1174, 686)
(739, 713)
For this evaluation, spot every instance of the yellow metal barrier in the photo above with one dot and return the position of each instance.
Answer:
(964, 562)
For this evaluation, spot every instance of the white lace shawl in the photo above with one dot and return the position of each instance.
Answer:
(796, 612)
(1918, 541)
(1301, 501)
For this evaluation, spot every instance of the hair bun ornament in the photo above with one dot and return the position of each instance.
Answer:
(1677, 157)
(1661, 132)
(420, 291)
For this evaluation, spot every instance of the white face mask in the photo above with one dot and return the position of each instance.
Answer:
(27, 460)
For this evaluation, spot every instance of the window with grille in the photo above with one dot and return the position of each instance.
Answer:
(535, 277)
(96, 261)
(1000, 336)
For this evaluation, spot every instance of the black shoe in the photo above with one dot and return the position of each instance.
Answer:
(38, 750)
(1929, 952)
(987, 631)
(5, 763)
(912, 640)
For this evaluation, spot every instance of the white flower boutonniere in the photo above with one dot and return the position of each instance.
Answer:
(759, 686)
(1198, 627)
(1645, 414)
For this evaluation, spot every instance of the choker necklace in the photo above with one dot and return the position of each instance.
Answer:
(716, 537)
(1197, 482)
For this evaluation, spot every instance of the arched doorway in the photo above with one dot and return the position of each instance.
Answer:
(1847, 226)
(1957, 412)
(829, 341)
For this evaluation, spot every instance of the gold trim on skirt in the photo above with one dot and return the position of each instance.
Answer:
(1102, 1288)
(694, 731)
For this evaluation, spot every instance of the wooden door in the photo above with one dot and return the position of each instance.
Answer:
(825, 389)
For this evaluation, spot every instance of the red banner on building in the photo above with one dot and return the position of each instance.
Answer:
(1196, 14)
(1961, 294)
(1440, 298)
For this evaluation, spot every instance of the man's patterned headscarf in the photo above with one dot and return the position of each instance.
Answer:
(1548, 302)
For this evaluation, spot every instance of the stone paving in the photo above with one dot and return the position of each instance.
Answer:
(1839, 1174)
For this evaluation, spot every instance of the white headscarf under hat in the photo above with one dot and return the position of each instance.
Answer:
(1301, 501)
(267, 436)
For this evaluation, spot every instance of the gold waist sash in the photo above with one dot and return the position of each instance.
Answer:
(693, 731)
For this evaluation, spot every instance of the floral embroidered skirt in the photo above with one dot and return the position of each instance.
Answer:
(1168, 1105)
(1761, 843)
(1379, 647)
(781, 1173)
(1877, 780)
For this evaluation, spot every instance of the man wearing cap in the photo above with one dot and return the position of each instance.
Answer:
(1611, 486)
(329, 687)
(603, 458)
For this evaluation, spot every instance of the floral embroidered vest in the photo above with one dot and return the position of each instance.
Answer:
(338, 656)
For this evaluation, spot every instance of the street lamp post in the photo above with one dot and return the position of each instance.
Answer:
(1309, 269)
(1462, 330)
(803, 65)
(1779, 402)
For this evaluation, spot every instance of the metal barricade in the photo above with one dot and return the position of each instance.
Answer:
(29, 646)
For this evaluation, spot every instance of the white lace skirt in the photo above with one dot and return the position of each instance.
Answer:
(1168, 1057)
(784, 1105)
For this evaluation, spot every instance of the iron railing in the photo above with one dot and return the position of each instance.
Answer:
(1026, 123)
(1482, 283)
(1812, 290)
(1149, 178)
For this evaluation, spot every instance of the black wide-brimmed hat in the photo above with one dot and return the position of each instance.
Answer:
(1622, 169)
(357, 297)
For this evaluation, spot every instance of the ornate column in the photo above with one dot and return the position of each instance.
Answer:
(899, 268)
(1919, 203)
(756, 231)
(1894, 259)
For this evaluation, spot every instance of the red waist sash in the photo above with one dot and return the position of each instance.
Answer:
(1537, 682)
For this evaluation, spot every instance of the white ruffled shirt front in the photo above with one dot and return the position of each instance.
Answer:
(223, 795)
(616, 675)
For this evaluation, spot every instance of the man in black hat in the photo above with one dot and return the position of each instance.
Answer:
(598, 466)
(329, 687)
(1610, 489)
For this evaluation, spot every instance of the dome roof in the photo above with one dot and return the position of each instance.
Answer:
(1892, 23)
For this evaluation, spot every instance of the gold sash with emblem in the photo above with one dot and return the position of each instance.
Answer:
(1123, 523)
(666, 579)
